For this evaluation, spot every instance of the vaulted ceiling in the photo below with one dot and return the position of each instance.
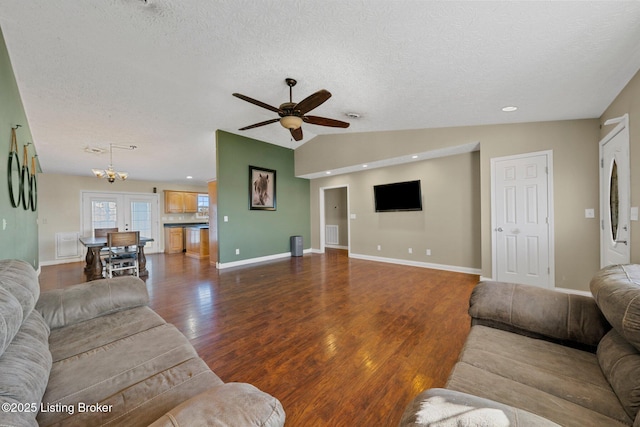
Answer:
(159, 74)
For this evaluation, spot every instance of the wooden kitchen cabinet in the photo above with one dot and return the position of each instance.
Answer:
(190, 202)
(180, 201)
(173, 240)
(173, 202)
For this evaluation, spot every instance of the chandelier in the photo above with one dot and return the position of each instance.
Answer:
(109, 173)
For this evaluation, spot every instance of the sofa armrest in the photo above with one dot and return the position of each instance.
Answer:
(63, 307)
(230, 404)
(570, 319)
(448, 408)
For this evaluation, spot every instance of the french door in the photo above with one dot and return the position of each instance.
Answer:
(126, 211)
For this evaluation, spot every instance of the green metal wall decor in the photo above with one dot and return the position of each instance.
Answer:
(23, 187)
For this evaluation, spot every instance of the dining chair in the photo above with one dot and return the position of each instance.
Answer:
(102, 232)
(122, 252)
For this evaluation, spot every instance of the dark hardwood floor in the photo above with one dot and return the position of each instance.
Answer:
(340, 341)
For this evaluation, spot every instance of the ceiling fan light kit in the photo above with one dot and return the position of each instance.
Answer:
(291, 122)
(292, 114)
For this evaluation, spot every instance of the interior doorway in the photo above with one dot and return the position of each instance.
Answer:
(334, 218)
(615, 196)
(522, 219)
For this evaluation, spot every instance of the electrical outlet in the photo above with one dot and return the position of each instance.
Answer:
(428, 252)
(237, 251)
(410, 250)
(379, 247)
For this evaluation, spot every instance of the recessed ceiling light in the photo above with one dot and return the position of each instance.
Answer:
(415, 156)
(352, 115)
(189, 177)
(365, 166)
(509, 108)
(328, 172)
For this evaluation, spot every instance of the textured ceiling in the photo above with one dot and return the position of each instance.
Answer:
(160, 74)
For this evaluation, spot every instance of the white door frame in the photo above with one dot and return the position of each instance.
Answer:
(323, 220)
(621, 127)
(550, 216)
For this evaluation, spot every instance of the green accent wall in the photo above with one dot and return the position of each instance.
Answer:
(18, 227)
(258, 233)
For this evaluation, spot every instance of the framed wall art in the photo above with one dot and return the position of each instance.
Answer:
(262, 189)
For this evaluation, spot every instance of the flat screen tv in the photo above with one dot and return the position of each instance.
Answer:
(398, 197)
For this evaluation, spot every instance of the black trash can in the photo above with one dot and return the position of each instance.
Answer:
(296, 245)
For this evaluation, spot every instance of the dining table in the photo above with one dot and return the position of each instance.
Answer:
(94, 267)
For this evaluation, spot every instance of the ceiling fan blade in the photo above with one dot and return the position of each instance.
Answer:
(296, 134)
(266, 122)
(323, 121)
(312, 101)
(258, 103)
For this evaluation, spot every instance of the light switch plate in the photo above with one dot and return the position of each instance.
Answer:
(634, 213)
(589, 213)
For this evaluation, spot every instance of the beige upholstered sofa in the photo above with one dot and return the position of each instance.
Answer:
(539, 357)
(95, 354)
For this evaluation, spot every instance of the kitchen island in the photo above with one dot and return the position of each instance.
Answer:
(196, 241)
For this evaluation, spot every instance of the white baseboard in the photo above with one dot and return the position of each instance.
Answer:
(222, 266)
(336, 247)
(62, 261)
(453, 268)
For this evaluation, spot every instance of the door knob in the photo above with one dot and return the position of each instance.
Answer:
(621, 241)
(499, 229)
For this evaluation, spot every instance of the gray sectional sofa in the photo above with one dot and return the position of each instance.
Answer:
(96, 354)
(540, 357)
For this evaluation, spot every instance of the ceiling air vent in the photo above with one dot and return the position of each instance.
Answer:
(95, 150)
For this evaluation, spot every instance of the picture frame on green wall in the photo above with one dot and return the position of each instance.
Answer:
(262, 189)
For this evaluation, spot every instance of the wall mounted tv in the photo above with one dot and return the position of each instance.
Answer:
(398, 197)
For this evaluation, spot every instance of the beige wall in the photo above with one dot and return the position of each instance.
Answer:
(628, 101)
(448, 225)
(59, 204)
(575, 170)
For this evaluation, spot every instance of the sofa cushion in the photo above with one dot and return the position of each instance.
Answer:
(19, 291)
(620, 362)
(139, 374)
(75, 304)
(560, 383)
(616, 290)
(95, 333)
(25, 367)
(10, 318)
(566, 318)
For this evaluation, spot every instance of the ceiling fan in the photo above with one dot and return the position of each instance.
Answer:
(292, 115)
